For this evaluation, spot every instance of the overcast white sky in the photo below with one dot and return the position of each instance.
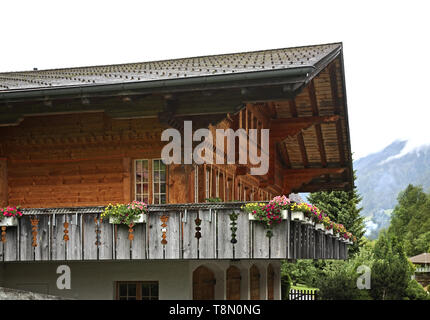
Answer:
(386, 46)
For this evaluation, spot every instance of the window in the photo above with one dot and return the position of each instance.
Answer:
(142, 180)
(137, 290)
(159, 181)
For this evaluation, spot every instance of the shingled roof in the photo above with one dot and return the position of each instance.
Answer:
(205, 66)
(423, 258)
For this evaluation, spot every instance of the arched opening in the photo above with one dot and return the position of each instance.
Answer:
(203, 284)
(254, 283)
(233, 283)
(270, 283)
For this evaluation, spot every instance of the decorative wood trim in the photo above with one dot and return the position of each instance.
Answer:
(66, 231)
(34, 223)
(3, 234)
(164, 218)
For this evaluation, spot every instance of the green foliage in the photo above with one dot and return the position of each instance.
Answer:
(124, 213)
(339, 282)
(302, 271)
(415, 291)
(343, 207)
(213, 200)
(391, 270)
(411, 220)
(286, 286)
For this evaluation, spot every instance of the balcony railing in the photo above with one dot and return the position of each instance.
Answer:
(179, 231)
(423, 269)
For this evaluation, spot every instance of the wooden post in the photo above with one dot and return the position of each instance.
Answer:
(3, 183)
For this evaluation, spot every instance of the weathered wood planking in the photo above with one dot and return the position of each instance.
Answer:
(207, 245)
(106, 239)
(138, 245)
(26, 250)
(122, 243)
(242, 246)
(11, 246)
(226, 249)
(58, 244)
(189, 241)
(155, 236)
(89, 236)
(173, 235)
(279, 241)
(74, 244)
(261, 243)
(41, 252)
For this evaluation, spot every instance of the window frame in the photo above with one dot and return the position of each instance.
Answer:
(138, 289)
(136, 182)
(159, 193)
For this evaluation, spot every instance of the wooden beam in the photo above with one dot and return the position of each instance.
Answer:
(318, 131)
(290, 127)
(302, 147)
(331, 186)
(336, 103)
(294, 179)
(284, 156)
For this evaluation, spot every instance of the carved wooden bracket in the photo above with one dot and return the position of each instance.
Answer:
(198, 222)
(97, 230)
(130, 232)
(3, 234)
(34, 224)
(66, 231)
(164, 220)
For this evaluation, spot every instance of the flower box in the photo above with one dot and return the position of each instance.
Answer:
(9, 222)
(251, 217)
(309, 221)
(319, 226)
(284, 214)
(338, 235)
(142, 219)
(329, 232)
(297, 216)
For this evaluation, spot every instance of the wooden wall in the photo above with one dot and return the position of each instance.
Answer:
(87, 160)
(3, 183)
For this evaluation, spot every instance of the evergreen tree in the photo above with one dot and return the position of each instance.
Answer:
(411, 220)
(342, 207)
(391, 270)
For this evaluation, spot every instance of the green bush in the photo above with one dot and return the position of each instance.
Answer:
(415, 291)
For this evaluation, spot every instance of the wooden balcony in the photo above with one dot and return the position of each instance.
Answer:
(184, 231)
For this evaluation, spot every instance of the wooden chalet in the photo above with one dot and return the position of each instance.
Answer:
(74, 140)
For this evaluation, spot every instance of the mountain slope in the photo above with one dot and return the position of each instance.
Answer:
(382, 175)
